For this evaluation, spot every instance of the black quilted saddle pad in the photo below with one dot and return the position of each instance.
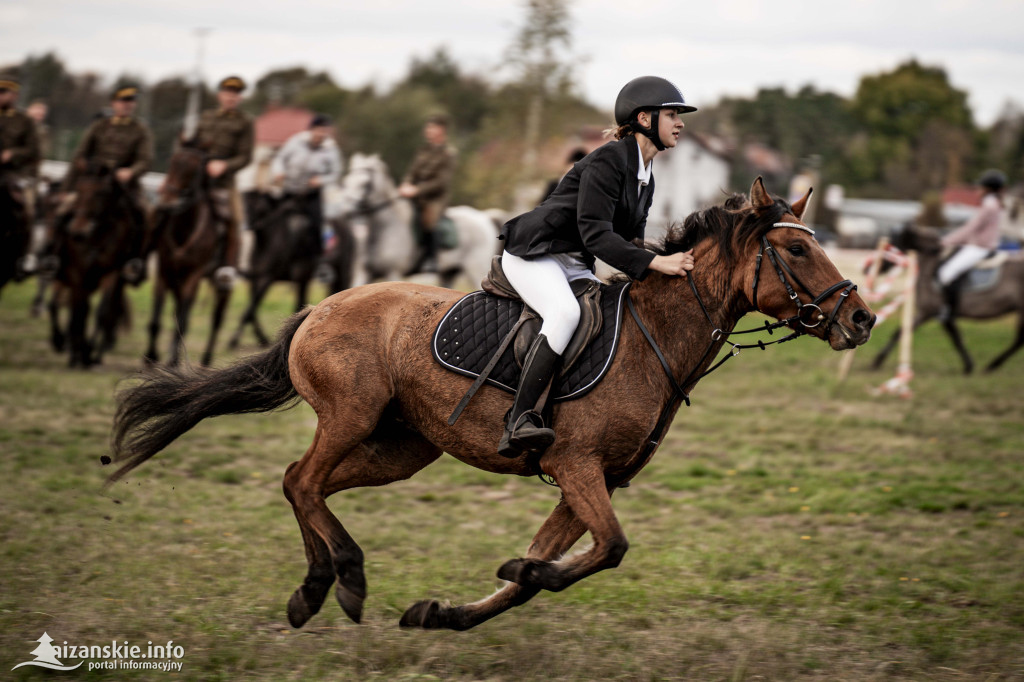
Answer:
(473, 329)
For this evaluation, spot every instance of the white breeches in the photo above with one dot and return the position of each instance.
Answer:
(543, 282)
(963, 260)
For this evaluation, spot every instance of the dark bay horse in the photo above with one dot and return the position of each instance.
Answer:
(187, 244)
(94, 246)
(284, 252)
(15, 231)
(1005, 297)
(361, 359)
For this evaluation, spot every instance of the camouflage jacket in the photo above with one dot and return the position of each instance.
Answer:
(431, 171)
(18, 135)
(116, 142)
(227, 136)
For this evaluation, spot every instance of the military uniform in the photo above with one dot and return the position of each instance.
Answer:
(19, 136)
(227, 135)
(115, 142)
(431, 172)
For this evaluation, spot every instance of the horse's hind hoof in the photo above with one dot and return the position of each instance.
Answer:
(426, 613)
(301, 607)
(520, 571)
(350, 602)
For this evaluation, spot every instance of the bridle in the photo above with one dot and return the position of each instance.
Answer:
(363, 205)
(809, 315)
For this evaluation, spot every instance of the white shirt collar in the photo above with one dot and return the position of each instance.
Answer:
(643, 173)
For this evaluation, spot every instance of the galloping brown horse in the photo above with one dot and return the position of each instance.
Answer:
(187, 245)
(361, 359)
(94, 245)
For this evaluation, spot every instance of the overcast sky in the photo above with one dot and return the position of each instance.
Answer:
(710, 49)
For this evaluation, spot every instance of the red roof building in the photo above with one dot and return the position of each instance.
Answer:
(275, 125)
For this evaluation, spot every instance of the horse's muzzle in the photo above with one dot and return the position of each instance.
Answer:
(853, 331)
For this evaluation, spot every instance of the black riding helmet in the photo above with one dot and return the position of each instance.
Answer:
(993, 179)
(648, 93)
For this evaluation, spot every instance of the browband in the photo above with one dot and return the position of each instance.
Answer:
(796, 225)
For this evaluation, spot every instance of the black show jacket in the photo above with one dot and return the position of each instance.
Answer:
(595, 210)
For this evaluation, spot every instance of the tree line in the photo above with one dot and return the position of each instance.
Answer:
(904, 132)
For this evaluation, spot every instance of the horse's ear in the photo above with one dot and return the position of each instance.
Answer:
(800, 205)
(759, 197)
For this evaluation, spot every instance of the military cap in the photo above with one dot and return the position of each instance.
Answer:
(232, 83)
(9, 82)
(127, 92)
(438, 119)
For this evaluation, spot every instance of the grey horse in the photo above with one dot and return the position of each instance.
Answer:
(388, 252)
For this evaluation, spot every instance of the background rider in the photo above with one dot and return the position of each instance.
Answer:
(427, 184)
(305, 164)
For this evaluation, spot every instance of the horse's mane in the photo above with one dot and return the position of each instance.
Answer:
(732, 224)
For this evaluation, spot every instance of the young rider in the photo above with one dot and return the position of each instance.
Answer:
(599, 207)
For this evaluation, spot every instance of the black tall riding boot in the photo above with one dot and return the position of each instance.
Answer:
(951, 299)
(524, 428)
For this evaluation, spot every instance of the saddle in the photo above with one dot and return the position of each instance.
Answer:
(486, 335)
(984, 275)
(588, 295)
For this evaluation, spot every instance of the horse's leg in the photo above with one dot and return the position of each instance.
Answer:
(43, 282)
(80, 351)
(184, 297)
(1017, 343)
(106, 316)
(219, 306)
(58, 339)
(301, 293)
(257, 290)
(374, 464)
(559, 533)
(954, 333)
(583, 488)
(159, 296)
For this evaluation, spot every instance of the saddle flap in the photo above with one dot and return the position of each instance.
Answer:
(467, 338)
(588, 295)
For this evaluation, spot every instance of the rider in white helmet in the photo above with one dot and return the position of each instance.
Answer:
(599, 207)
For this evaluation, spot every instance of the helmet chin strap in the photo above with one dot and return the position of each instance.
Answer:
(650, 133)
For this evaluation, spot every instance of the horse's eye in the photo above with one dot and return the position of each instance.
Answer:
(797, 249)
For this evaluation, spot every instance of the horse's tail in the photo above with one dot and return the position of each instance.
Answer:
(170, 401)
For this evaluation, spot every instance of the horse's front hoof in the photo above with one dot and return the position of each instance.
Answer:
(426, 613)
(350, 602)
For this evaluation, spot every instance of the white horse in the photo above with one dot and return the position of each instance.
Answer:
(368, 194)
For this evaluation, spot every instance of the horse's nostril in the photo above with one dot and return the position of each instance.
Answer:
(862, 318)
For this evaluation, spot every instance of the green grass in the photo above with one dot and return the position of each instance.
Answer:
(789, 528)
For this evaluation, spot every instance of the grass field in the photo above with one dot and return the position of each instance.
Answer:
(788, 528)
